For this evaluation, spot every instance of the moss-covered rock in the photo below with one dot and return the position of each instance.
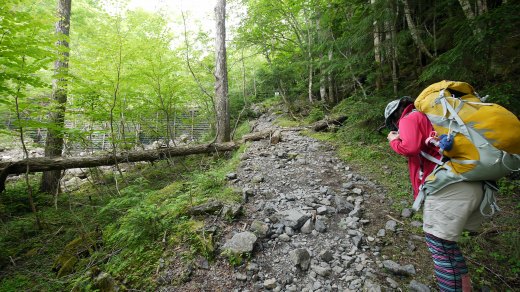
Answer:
(81, 247)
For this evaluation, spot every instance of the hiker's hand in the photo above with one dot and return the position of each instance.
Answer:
(392, 136)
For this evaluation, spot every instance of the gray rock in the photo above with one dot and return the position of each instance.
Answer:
(242, 242)
(381, 233)
(246, 194)
(392, 282)
(307, 227)
(259, 228)
(210, 207)
(231, 176)
(418, 287)
(391, 225)
(357, 191)
(300, 258)
(284, 237)
(257, 179)
(342, 206)
(371, 286)
(270, 283)
(292, 218)
(322, 210)
(406, 213)
(416, 224)
(231, 211)
(252, 267)
(320, 226)
(326, 256)
(278, 228)
(356, 241)
(397, 269)
(240, 277)
(322, 271)
(289, 231)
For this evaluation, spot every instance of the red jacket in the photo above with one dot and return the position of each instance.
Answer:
(414, 129)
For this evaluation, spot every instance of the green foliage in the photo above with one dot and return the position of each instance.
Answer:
(365, 117)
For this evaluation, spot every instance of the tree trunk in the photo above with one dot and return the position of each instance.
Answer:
(330, 80)
(414, 32)
(58, 163)
(309, 54)
(54, 142)
(321, 40)
(378, 58)
(470, 15)
(221, 83)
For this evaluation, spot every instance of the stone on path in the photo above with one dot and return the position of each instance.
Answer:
(307, 227)
(259, 228)
(293, 218)
(242, 242)
(391, 225)
(397, 269)
(300, 258)
(418, 287)
(210, 207)
(406, 213)
(320, 226)
(342, 206)
(270, 283)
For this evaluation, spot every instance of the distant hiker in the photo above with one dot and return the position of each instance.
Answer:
(447, 212)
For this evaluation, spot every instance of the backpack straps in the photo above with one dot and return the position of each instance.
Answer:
(489, 200)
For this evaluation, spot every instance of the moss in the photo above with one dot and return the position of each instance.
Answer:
(81, 247)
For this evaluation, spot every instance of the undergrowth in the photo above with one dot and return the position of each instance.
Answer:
(137, 226)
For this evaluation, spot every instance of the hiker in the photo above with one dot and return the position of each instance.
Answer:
(446, 212)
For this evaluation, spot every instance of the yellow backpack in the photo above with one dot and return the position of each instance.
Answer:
(484, 137)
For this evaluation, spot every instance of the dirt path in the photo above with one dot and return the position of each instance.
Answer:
(307, 210)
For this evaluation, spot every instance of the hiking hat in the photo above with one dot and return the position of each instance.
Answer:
(389, 110)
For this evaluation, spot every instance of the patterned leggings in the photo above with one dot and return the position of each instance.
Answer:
(450, 267)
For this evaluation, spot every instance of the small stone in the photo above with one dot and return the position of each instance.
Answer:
(381, 233)
(326, 256)
(270, 283)
(259, 228)
(416, 224)
(240, 243)
(252, 267)
(418, 287)
(320, 226)
(241, 277)
(257, 179)
(397, 269)
(284, 237)
(406, 213)
(300, 258)
(322, 271)
(337, 269)
(231, 176)
(391, 225)
(322, 210)
(307, 227)
(357, 191)
(392, 282)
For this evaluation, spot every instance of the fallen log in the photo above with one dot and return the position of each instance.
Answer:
(39, 164)
(323, 125)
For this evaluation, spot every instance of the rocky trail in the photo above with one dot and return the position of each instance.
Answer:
(304, 224)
